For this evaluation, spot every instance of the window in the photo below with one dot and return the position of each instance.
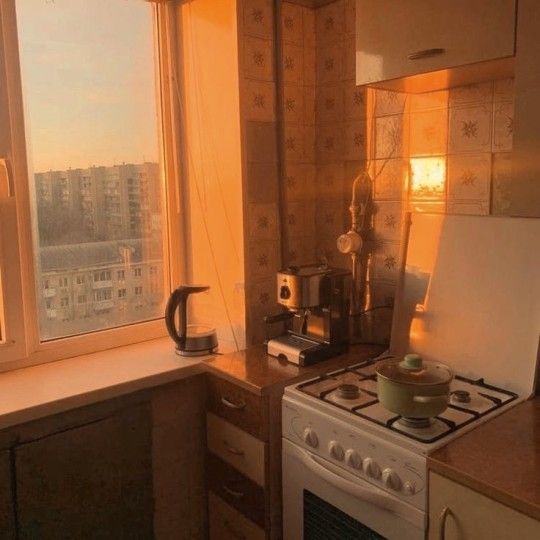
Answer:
(121, 293)
(87, 125)
(138, 291)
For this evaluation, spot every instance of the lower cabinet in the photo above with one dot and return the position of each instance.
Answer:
(7, 514)
(226, 523)
(459, 513)
(91, 481)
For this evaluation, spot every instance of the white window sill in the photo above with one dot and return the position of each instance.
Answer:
(35, 392)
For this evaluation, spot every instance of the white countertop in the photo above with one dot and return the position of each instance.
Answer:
(38, 391)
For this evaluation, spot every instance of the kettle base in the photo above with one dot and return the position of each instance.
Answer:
(204, 352)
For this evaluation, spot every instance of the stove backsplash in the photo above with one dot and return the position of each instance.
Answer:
(447, 151)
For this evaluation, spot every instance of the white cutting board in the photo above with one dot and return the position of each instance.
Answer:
(469, 296)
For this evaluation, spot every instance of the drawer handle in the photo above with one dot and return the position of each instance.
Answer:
(232, 405)
(426, 53)
(232, 449)
(442, 522)
(232, 492)
(233, 531)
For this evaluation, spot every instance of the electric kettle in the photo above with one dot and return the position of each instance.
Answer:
(190, 339)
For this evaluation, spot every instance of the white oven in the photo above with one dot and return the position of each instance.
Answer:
(324, 501)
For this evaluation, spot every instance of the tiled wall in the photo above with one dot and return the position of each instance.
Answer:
(261, 162)
(331, 130)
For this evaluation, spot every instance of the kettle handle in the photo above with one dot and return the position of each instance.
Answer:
(178, 300)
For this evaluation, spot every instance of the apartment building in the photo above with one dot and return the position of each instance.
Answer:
(88, 285)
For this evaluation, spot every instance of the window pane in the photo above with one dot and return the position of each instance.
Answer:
(88, 72)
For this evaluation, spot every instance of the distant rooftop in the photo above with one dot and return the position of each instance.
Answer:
(91, 254)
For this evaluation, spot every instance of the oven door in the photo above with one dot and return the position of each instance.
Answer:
(323, 501)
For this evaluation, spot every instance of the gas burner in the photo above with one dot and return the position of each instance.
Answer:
(415, 423)
(348, 391)
(461, 396)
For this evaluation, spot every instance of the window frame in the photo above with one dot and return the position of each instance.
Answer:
(22, 296)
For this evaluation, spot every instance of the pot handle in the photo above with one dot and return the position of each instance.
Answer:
(443, 398)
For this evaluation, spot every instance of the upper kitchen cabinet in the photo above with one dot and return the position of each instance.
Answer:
(423, 45)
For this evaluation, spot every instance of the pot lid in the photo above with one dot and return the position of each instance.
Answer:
(413, 370)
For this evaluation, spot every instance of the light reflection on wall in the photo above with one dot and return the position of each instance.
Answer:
(428, 178)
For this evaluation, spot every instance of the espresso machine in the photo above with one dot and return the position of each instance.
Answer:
(316, 298)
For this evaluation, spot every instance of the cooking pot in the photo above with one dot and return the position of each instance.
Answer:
(412, 387)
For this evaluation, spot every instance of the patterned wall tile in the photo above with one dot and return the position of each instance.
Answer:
(350, 17)
(383, 293)
(470, 129)
(349, 59)
(355, 140)
(330, 140)
(299, 181)
(293, 103)
(330, 23)
(389, 136)
(302, 249)
(263, 221)
(310, 66)
(300, 219)
(502, 177)
(355, 101)
(473, 208)
(429, 100)
(258, 17)
(503, 126)
(387, 221)
(386, 261)
(473, 93)
(293, 63)
(292, 23)
(309, 28)
(329, 61)
(387, 102)
(258, 58)
(390, 179)
(428, 132)
(263, 258)
(261, 296)
(330, 181)
(329, 218)
(469, 177)
(329, 103)
(259, 100)
(310, 136)
(503, 90)
(293, 141)
(262, 182)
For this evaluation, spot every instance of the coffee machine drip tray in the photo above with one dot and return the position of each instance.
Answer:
(302, 351)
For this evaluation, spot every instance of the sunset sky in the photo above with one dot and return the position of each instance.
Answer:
(88, 82)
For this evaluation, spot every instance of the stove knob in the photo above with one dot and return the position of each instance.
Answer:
(336, 450)
(310, 438)
(371, 468)
(391, 479)
(353, 459)
(409, 488)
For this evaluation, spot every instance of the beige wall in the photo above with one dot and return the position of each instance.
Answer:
(208, 83)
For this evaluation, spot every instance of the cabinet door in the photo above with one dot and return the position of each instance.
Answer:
(472, 515)
(7, 529)
(394, 37)
(93, 481)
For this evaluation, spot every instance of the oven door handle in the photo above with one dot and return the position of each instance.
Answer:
(367, 494)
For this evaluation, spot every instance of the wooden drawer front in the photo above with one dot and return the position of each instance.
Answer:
(226, 523)
(238, 406)
(235, 489)
(241, 450)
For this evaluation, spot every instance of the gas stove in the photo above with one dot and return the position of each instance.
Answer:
(465, 299)
(351, 394)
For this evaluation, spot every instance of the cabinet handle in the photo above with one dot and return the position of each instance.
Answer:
(231, 405)
(426, 53)
(233, 531)
(232, 449)
(442, 522)
(5, 180)
(232, 492)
